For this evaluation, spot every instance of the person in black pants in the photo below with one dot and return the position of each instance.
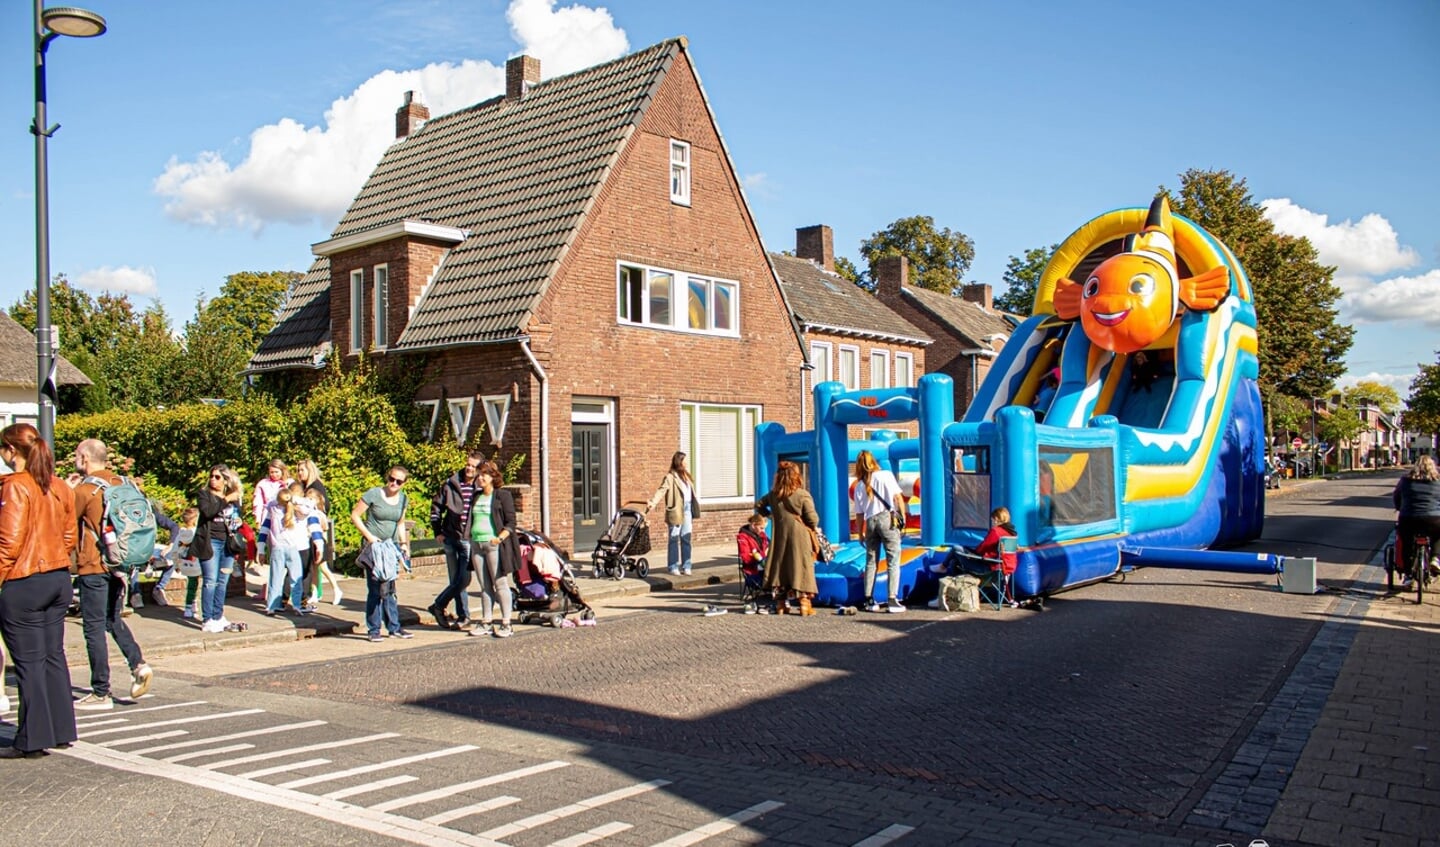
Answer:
(1417, 499)
(37, 535)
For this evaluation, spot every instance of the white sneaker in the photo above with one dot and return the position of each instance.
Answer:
(142, 675)
(4, 702)
(91, 703)
(339, 595)
(136, 601)
(894, 607)
(157, 596)
(212, 626)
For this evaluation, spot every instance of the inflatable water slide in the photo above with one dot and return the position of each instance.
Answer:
(1147, 445)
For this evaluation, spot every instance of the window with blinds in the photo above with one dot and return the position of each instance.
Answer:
(720, 441)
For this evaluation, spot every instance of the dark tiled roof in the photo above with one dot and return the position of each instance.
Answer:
(303, 326)
(966, 317)
(819, 298)
(17, 358)
(518, 176)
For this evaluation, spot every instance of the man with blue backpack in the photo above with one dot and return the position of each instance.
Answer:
(117, 535)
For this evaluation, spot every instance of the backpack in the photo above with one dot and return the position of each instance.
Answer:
(130, 518)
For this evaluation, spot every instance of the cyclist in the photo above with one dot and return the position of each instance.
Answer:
(1417, 499)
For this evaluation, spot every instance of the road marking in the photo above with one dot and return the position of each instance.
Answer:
(543, 818)
(200, 754)
(460, 788)
(335, 811)
(473, 809)
(141, 739)
(231, 737)
(886, 835)
(293, 766)
(327, 777)
(79, 725)
(366, 788)
(725, 824)
(291, 751)
(592, 835)
(79, 718)
(199, 719)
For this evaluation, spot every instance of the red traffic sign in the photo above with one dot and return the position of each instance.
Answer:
(1297, 443)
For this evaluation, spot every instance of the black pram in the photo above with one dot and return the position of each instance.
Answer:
(623, 546)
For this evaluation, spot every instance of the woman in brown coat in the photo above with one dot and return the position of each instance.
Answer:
(791, 572)
(37, 535)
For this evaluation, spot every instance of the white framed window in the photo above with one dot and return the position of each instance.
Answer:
(460, 411)
(879, 368)
(821, 366)
(381, 276)
(432, 413)
(679, 172)
(653, 297)
(849, 371)
(357, 311)
(720, 441)
(904, 370)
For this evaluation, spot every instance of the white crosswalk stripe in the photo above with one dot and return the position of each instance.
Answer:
(572, 809)
(886, 835)
(197, 719)
(135, 711)
(590, 836)
(370, 786)
(474, 809)
(462, 787)
(292, 751)
(154, 736)
(293, 766)
(231, 737)
(200, 754)
(363, 769)
(725, 824)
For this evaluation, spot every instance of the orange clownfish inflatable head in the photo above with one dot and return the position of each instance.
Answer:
(1133, 297)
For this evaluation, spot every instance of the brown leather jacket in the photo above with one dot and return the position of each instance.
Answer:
(90, 510)
(37, 530)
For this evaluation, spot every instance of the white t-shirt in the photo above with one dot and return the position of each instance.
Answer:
(886, 488)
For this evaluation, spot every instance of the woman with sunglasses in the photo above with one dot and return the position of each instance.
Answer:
(38, 532)
(219, 504)
(379, 514)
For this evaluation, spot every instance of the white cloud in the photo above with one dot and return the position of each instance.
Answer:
(1403, 298)
(119, 280)
(294, 173)
(1357, 249)
(1399, 382)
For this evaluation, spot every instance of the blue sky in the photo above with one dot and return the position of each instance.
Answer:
(201, 139)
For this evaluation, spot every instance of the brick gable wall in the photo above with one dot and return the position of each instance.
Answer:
(909, 429)
(411, 262)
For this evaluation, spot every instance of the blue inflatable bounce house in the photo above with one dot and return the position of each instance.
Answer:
(1151, 447)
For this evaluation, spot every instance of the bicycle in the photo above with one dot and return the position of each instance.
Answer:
(1417, 563)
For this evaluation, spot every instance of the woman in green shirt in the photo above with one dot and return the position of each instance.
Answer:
(379, 514)
(494, 550)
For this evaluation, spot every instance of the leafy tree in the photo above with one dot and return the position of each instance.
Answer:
(1369, 391)
(227, 330)
(938, 258)
(1341, 426)
(140, 365)
(846, 269)
(1287, 415)
(1422, 412)
(1302, 344)
(1022, 278)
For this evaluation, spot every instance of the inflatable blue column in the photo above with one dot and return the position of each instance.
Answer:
(832, 459)
(937, 408)
(767, 438)
(1013, 469)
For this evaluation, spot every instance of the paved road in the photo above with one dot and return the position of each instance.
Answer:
(1172, 708)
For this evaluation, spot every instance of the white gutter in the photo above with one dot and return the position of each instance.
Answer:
(544, 435)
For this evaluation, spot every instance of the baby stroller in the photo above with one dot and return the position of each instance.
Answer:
(623, 546)
(545, 591)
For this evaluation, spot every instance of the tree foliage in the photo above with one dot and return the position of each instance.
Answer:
(1022, 279)
(1302, 343)
(1422, 406)
(227, 330)
(1375, 393)
(846, 269)
(938, 258)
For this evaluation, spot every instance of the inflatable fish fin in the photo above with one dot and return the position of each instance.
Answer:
(1204, 292)
(1067, 299)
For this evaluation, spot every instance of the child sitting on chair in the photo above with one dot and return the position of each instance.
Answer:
(989, 548)
(753, 544)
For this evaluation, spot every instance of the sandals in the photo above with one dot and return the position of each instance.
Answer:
(238, 626)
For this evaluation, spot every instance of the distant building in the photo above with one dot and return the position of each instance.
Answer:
(19, 400)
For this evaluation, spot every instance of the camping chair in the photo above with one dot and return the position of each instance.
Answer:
(752, 586)
(995, 586)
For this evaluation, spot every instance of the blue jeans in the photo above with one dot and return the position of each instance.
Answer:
(380, 598)
(457, 562)
(284, 561)
(214, 579)
(677, 551)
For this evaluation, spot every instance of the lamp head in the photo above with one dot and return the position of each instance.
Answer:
(77, 23)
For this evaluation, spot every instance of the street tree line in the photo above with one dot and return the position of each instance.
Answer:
(136, 358)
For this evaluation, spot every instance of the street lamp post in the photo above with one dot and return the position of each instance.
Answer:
(49, 25)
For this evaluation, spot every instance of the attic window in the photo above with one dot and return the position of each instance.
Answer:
(679, 172)
(669, 299)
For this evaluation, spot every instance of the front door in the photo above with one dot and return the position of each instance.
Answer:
(590, 474)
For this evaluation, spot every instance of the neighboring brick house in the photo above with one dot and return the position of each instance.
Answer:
(853, 338)
(575, 264)
(968, 331)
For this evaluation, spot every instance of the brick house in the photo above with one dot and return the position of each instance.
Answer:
(533, 252)
(968, 331)
(851, 336)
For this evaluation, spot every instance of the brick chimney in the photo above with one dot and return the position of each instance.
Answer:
(410, 116)
(891, 274)
(521, 73)
(979, 292)
(816, 243)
